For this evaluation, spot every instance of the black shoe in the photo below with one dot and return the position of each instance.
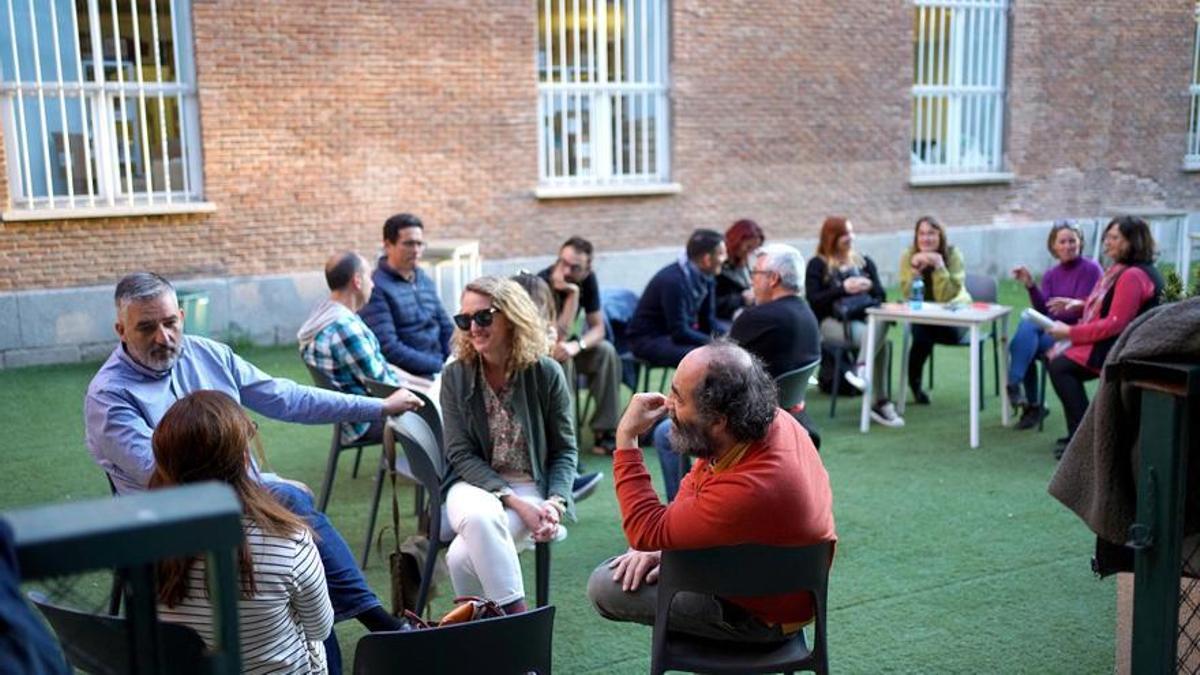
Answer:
(606, 443)
(585, 485)
(920, 397)
(1016, 397)
(1032, 417)
(1060, 446)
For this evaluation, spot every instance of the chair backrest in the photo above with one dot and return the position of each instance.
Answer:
(428, 412)
(982, 288)
(102, 644)
(423, 451)
(793, 385)
(320, 377)
(506, 645)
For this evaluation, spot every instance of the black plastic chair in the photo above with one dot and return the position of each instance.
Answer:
(836, 351)
(102, 644)
(793, 385)
(982, 289)
(429, 413)
(746, 570)
(336, 446)
(428, 464)
(506, 645)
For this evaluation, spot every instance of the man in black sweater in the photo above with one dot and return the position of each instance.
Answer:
(780, 329)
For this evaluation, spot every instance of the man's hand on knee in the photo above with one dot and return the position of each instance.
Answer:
(634, 568)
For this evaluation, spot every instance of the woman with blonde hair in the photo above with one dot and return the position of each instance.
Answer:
(510, 441)
(283, 611)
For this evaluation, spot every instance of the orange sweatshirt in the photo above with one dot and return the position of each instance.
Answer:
(777, 494)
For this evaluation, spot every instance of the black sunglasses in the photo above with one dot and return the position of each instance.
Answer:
(483, 318)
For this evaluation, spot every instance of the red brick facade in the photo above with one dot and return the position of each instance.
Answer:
(320, 119)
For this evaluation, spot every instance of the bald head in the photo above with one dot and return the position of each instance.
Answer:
(726, 383)
(342, 267)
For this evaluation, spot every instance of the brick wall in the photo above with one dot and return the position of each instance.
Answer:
(320, 119)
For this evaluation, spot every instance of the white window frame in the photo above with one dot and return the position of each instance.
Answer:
(101, 102)
(959, 93)
(1191, 158)
(578, 157)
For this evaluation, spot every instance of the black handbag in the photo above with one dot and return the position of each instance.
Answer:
(854, 307)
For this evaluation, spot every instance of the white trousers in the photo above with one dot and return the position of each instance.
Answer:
(483, 557)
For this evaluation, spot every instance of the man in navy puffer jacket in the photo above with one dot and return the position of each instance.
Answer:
(404, 311)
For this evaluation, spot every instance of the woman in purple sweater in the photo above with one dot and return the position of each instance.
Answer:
(1072, 278)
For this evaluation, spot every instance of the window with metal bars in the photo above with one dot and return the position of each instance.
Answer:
(958, 94)
(1192, 159)
(602, 95)
(98, 105)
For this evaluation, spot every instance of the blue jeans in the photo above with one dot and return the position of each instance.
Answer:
(1027, 344)
(672, 462)
(348, 590)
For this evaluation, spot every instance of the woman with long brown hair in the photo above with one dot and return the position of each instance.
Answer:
(283, 609)
(840, 283)
(940, 267)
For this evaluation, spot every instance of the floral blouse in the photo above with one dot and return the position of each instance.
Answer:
(510, 448)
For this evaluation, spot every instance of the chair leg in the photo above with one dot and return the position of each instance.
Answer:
(835, 386)
(662, 380)
(114, 596)
(1042, 395)
(995, 360)
(931, 351)
(335, 449)
(380, 479)
(435, 543)
(541, 553)
(418, 499)
(887, 348)
(357, 460)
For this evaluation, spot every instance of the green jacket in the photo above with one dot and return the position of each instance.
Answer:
(949, 283)
(541, 404)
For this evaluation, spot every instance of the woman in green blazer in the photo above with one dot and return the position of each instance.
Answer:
(510, 441)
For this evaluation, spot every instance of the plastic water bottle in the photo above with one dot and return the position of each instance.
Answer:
(917, 298)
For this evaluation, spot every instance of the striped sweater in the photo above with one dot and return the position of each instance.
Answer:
(282, 626)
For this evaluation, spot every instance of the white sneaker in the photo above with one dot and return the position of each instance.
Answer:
(855, 377)
(885, 414)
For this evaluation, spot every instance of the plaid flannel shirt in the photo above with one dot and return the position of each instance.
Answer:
(349, 353)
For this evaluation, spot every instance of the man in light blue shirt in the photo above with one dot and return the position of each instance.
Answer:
(156, 364)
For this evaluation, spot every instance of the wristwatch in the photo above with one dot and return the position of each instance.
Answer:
(581, 343)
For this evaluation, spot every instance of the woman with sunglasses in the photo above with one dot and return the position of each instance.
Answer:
(1071, 279)
(510, 441)
(283, 611)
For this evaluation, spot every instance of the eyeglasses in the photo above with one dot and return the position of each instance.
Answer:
(754, 272)
(483, 318)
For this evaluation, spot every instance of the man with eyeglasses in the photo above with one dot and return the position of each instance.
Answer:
(404, 311)
(576, 289)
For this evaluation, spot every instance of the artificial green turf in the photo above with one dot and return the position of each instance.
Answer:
(949, 559)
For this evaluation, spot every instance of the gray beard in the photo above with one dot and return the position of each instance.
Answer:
(690, 439)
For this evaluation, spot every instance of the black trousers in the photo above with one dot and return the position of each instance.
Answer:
(1068, 378)
(923, 339)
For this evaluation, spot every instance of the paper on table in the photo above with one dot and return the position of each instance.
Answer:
(1044, 322)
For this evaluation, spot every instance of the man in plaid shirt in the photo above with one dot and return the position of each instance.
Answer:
(335, 340)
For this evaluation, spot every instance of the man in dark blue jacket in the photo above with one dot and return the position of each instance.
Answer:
(677, 311)
(404, 311)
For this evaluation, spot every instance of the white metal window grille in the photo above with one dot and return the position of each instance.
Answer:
(959, 53)
(1192, 159)
(98, 103)
(602, 93)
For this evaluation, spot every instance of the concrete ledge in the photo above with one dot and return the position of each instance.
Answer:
(115, 211)
(70, 325)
